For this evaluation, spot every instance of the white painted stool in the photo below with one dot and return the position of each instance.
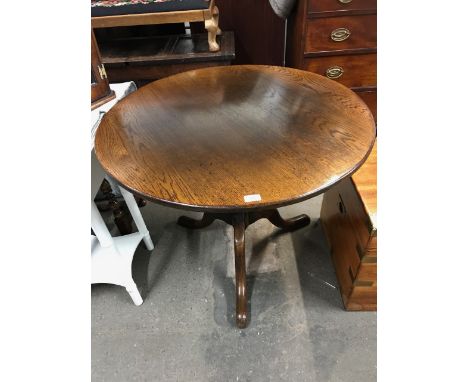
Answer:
(111, 257)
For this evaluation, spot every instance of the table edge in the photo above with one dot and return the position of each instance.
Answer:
(253, 207)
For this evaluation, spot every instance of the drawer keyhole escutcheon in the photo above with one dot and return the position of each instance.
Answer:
(344, 1)
(334, 72)
(340, 34)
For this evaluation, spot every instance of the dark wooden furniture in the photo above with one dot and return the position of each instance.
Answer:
(127, 13)
(236, 142)
(100, 90)
(259, 32)
(349, 218)
(146, 59)
(337, 39)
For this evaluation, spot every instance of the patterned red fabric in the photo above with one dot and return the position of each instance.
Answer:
(122, 7)
(117, 3)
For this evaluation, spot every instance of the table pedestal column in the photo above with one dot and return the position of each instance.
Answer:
(240, 221)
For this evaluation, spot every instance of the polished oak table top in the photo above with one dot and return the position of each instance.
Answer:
(209, 139)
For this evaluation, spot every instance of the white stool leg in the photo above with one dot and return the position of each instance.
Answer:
(136, 215)
(134, 293)
(99, 227)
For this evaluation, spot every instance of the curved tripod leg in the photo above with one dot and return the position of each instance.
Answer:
(241, 286)
(187, 222)
(287, 224)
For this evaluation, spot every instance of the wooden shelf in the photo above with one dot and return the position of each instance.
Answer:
(146, 59)
(173, 49)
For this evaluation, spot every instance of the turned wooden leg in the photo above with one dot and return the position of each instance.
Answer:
(287, 224)
(216, 19)
(211, 25)
(187, 222)
(239, 251)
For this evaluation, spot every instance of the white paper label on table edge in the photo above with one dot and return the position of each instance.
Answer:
(252, 198)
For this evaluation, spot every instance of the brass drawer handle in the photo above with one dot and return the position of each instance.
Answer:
(345, 1)
(334, 72)
(340, 34)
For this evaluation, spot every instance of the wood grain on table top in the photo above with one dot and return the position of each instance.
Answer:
(206, 138)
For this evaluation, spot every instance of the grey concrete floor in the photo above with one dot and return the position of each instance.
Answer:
(185, 329)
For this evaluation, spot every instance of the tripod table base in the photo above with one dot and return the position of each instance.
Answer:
(240, 221)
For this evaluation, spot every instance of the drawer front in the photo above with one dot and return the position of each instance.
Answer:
(370, 98)
(341, 5)
(341, 33)
(359, 70)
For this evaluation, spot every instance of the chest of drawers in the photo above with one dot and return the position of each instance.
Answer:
(337, 39)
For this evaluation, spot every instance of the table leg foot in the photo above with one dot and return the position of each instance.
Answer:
(241, 286)
(187, 222)
(287, 224)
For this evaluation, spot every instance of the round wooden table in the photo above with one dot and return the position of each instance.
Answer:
(236, 143)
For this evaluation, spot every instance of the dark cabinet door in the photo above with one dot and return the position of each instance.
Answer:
(259, 32)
